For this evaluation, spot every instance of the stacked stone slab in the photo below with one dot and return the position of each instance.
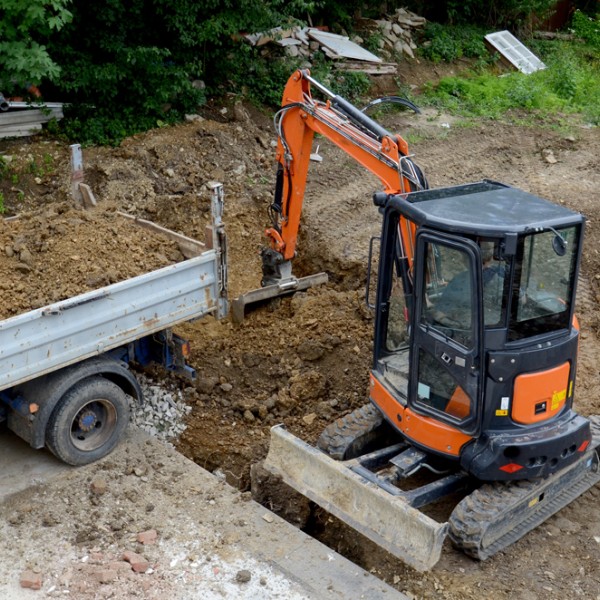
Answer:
(398, 32)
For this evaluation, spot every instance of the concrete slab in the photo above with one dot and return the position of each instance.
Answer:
(22, 467)
(208, 533)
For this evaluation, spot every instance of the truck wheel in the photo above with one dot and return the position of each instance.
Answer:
(88, 421)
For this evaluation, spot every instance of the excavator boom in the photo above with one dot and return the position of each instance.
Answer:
(371, 145)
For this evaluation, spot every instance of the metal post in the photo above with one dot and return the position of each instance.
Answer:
(76, 172)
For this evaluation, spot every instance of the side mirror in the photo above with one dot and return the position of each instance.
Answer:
(559, 244)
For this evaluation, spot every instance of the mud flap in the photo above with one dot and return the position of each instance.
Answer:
(238, 306)
(385, 519)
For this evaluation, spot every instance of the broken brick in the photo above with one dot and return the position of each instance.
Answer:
(147, 537)
(138, 563)
(31, 580)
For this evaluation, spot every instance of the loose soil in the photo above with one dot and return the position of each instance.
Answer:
(48, 257)
(304, 360)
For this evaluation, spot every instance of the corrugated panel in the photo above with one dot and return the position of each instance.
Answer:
(515, 52)
(342, 46)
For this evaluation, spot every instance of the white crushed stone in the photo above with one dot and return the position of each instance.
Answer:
(162, 415)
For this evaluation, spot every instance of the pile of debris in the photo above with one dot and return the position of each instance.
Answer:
(394, 37)
(398, 32)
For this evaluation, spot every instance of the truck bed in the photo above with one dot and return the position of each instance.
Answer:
(54, 336)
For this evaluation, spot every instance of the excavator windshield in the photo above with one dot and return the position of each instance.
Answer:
(545, 275)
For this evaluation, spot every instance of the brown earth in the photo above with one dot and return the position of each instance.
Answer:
(304, 360)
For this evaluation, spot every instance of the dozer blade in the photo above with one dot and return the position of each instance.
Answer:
(384, 518)
(238, 306)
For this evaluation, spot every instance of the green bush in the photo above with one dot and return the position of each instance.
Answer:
(448, 43)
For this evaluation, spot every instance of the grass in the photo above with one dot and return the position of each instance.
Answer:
(569, 85)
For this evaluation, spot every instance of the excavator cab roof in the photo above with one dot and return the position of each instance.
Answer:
(485, 208)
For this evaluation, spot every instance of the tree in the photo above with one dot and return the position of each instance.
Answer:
(24, 29)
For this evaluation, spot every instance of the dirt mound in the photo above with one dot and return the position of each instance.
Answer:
(53, 253)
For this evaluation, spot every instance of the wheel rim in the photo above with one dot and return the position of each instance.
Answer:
(93, 425)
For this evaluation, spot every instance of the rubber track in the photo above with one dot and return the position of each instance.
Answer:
(487, 511)
(342, 437)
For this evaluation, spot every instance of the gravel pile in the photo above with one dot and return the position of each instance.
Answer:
(163, 412)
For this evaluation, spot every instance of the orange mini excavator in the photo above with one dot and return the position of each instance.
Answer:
(475, 352)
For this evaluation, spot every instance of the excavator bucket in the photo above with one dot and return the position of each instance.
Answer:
(260, 295)
(387, 520)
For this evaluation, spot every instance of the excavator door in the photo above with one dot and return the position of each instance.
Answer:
(447, 344)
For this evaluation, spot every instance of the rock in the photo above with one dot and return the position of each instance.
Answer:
(26, 257)
(309, 419)
(243, 576)
(250, 360)
(240, 113)
(310, 350)
(104, 575)
(218, 174)
(239, 169)
(308, 386)
(99, 486)
(206, 385)
(549, 157)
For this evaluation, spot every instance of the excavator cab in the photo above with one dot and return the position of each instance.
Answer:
(475, 339)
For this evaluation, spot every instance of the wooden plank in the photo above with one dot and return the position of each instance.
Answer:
(364, 67)
(188, 246)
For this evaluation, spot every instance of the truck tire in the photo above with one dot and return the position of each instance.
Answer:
(88, 421)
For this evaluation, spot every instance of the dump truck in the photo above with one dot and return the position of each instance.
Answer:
(474, 357)
(65, 381)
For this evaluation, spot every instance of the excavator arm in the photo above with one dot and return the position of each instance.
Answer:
(300, 117)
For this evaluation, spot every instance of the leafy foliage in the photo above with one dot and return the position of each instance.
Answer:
(129, 65)
(24, 27)
(587, 28)
(448, 43)
(509, 14)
